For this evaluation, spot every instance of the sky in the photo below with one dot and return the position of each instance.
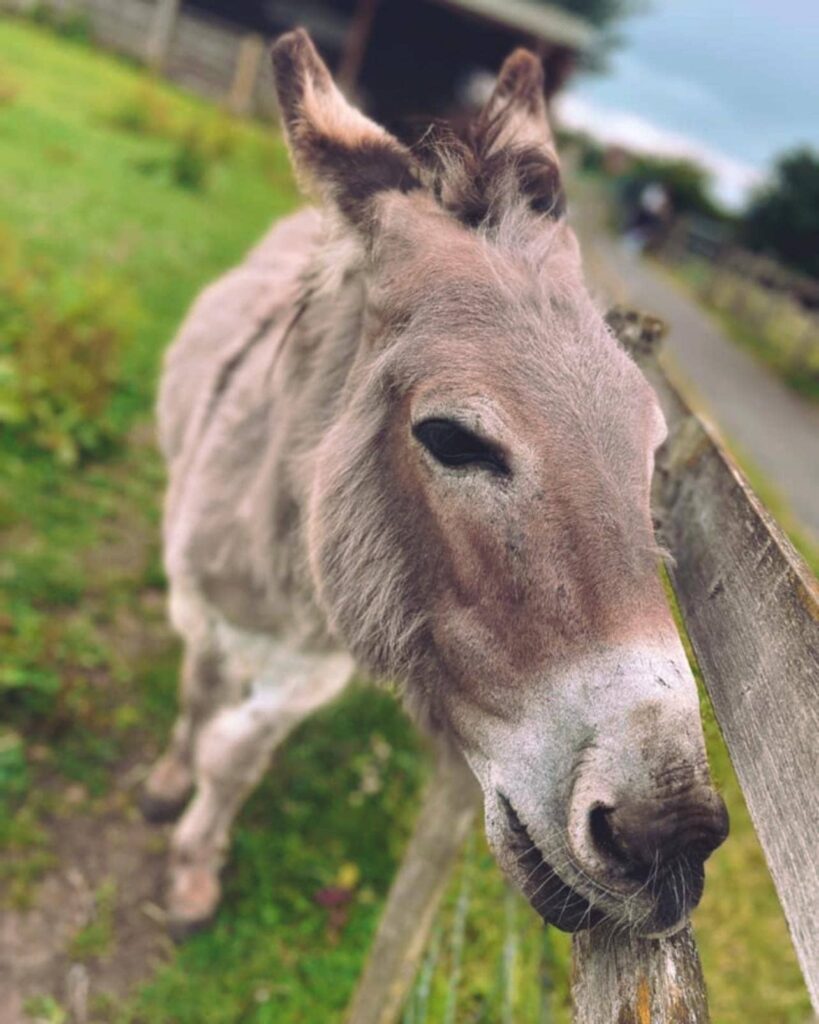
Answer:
(731, 83)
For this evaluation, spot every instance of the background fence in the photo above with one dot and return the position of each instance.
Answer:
(774, 310)
(200, 53)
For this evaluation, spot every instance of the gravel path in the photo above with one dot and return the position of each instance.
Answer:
(766, 421)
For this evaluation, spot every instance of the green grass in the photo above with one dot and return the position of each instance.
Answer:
(96, 938)
(91, 180)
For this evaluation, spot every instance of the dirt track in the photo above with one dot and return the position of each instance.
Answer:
(113, 847)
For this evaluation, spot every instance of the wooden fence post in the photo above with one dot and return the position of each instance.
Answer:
(447, 814)
(355, 45)
(248, 62)
(619, 979)
(159, 38)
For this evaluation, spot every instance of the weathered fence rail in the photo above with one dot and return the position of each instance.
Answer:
(751, 608)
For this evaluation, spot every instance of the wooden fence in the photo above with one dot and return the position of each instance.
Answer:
(751, 608)
(709, 240)
(202, 54)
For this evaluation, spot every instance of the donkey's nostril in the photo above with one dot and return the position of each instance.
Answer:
(603, 836)
(640, 835)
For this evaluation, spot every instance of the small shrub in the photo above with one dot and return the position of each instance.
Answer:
(13, 766)
(45, 1010)
(189, 166)
(199, 139)
(145, 111)
(96, 939)
(60, 341)
(68, 23)
(8, 90)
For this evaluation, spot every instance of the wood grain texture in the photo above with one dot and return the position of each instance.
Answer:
(751, 607)
(447, 813)
(619, 979)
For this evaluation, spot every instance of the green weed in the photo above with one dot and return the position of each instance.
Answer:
(67, 22)
(27, 853)
(45, 1010)
(199, 140)
(96, 938)
(60, 340)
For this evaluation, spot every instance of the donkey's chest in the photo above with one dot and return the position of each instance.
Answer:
(279, 667)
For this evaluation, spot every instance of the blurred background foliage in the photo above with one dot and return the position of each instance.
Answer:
(783, 217)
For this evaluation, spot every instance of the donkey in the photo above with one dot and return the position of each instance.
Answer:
(402, 441)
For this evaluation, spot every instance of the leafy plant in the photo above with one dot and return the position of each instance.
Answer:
(199, 139)
(189, 166)
(13, 767)
(60, 339)
(783, 217)
(66, 22)
(143, 111)
(96, 938)
(45, 1010)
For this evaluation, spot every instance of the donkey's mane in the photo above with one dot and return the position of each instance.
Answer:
(477, 178)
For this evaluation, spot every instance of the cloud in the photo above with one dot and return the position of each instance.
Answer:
(733, 179)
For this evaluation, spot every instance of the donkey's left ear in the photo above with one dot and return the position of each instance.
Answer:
(513, 129)
(341, 154)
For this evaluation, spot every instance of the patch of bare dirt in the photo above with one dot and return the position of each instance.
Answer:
(66, 946)
(110, 847)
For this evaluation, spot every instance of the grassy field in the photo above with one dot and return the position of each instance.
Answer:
(120, 199)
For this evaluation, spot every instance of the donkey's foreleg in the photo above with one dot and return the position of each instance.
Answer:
(233, 751)
(204, 689)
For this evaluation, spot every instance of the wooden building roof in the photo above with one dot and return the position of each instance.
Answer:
(543, 21)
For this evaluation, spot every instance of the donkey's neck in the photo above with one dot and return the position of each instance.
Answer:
(306, 392)
(324, 339)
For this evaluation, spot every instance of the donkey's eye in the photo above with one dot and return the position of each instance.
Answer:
(455, 446)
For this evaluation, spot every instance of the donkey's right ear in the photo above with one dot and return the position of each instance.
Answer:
(338, 152)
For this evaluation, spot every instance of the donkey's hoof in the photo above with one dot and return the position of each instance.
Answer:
(180, 930)
(166, 792)
(193, 900)
(160, 809)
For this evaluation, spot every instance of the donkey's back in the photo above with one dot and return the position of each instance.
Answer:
(227, 316)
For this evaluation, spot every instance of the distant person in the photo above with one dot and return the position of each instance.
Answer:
(651, 217)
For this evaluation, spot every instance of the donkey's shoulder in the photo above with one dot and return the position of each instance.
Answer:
(236, 305)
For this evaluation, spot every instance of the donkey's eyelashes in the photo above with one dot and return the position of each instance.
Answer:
(455, 446)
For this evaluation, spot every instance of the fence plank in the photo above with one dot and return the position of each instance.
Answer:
(162, 28)
(619, 979)
(448, 811)
(248, 62)
(751, 608)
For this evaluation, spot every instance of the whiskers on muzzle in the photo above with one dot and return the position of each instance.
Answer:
(652, 891)
(556, 902)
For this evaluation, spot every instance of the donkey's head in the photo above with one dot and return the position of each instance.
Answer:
(479, 522)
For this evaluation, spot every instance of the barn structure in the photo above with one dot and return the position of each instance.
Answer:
(417, 56)
(398, 57)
